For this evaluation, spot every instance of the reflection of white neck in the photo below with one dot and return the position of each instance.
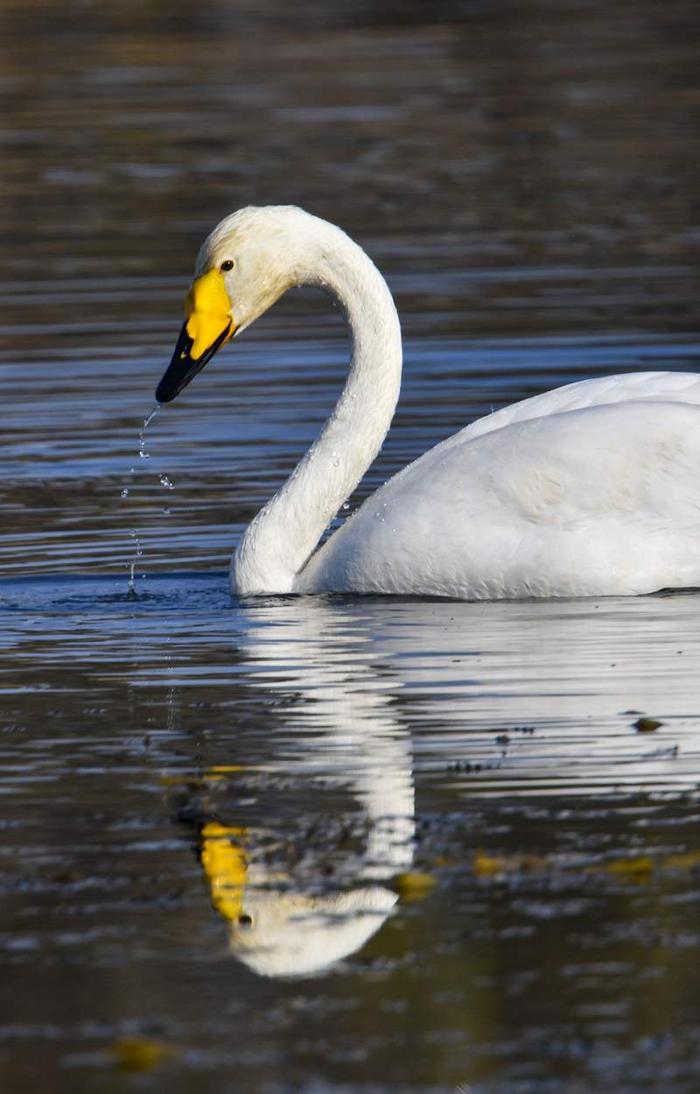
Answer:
(281, 538)
(388, 798)
(357, 741)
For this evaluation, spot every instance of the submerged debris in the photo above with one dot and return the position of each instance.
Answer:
(646, 725)
(140, 1053)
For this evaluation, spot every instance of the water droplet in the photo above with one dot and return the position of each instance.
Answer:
(138, 552)
(165, 481)
(346, 505)
(149, 417)
(143, 454)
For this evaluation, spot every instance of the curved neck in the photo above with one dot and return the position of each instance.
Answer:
(278, 543)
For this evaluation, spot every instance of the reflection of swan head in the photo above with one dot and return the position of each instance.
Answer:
(295, 934)
(279, 932)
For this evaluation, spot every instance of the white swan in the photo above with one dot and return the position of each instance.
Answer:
(591, 489)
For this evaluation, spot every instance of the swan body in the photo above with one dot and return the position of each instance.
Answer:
(590, 489)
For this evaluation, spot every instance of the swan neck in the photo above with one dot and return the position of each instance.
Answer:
(280, 540)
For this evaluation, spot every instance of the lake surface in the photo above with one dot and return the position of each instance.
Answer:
(334, 844)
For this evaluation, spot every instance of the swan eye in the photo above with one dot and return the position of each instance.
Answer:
(245, 920)
(227, 264)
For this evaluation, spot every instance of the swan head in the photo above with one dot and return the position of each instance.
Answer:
(249, 260)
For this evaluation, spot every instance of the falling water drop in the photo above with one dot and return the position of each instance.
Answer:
(137, 545)
(138, 553)
(143, 454)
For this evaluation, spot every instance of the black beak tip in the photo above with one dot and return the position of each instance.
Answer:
(179, 370)
(164, 393)
(182, 368)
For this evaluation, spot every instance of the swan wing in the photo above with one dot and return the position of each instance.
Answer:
(683, 387)
(599, 499)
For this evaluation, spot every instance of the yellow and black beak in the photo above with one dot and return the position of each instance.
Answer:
(208, 326)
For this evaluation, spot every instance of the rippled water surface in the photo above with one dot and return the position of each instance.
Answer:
(334, 844)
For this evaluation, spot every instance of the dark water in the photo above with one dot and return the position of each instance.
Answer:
(333, 844)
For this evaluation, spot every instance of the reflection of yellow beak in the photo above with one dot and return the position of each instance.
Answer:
(225, 865)
(208, 313)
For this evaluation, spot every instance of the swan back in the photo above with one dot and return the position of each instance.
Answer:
(681, 387)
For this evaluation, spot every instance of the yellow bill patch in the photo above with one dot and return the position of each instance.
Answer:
(208, 312)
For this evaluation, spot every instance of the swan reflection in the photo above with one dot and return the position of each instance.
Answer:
(511, 699)
(281, 924)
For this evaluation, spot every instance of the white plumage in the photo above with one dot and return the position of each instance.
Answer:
(603, 499)
(591, 489)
